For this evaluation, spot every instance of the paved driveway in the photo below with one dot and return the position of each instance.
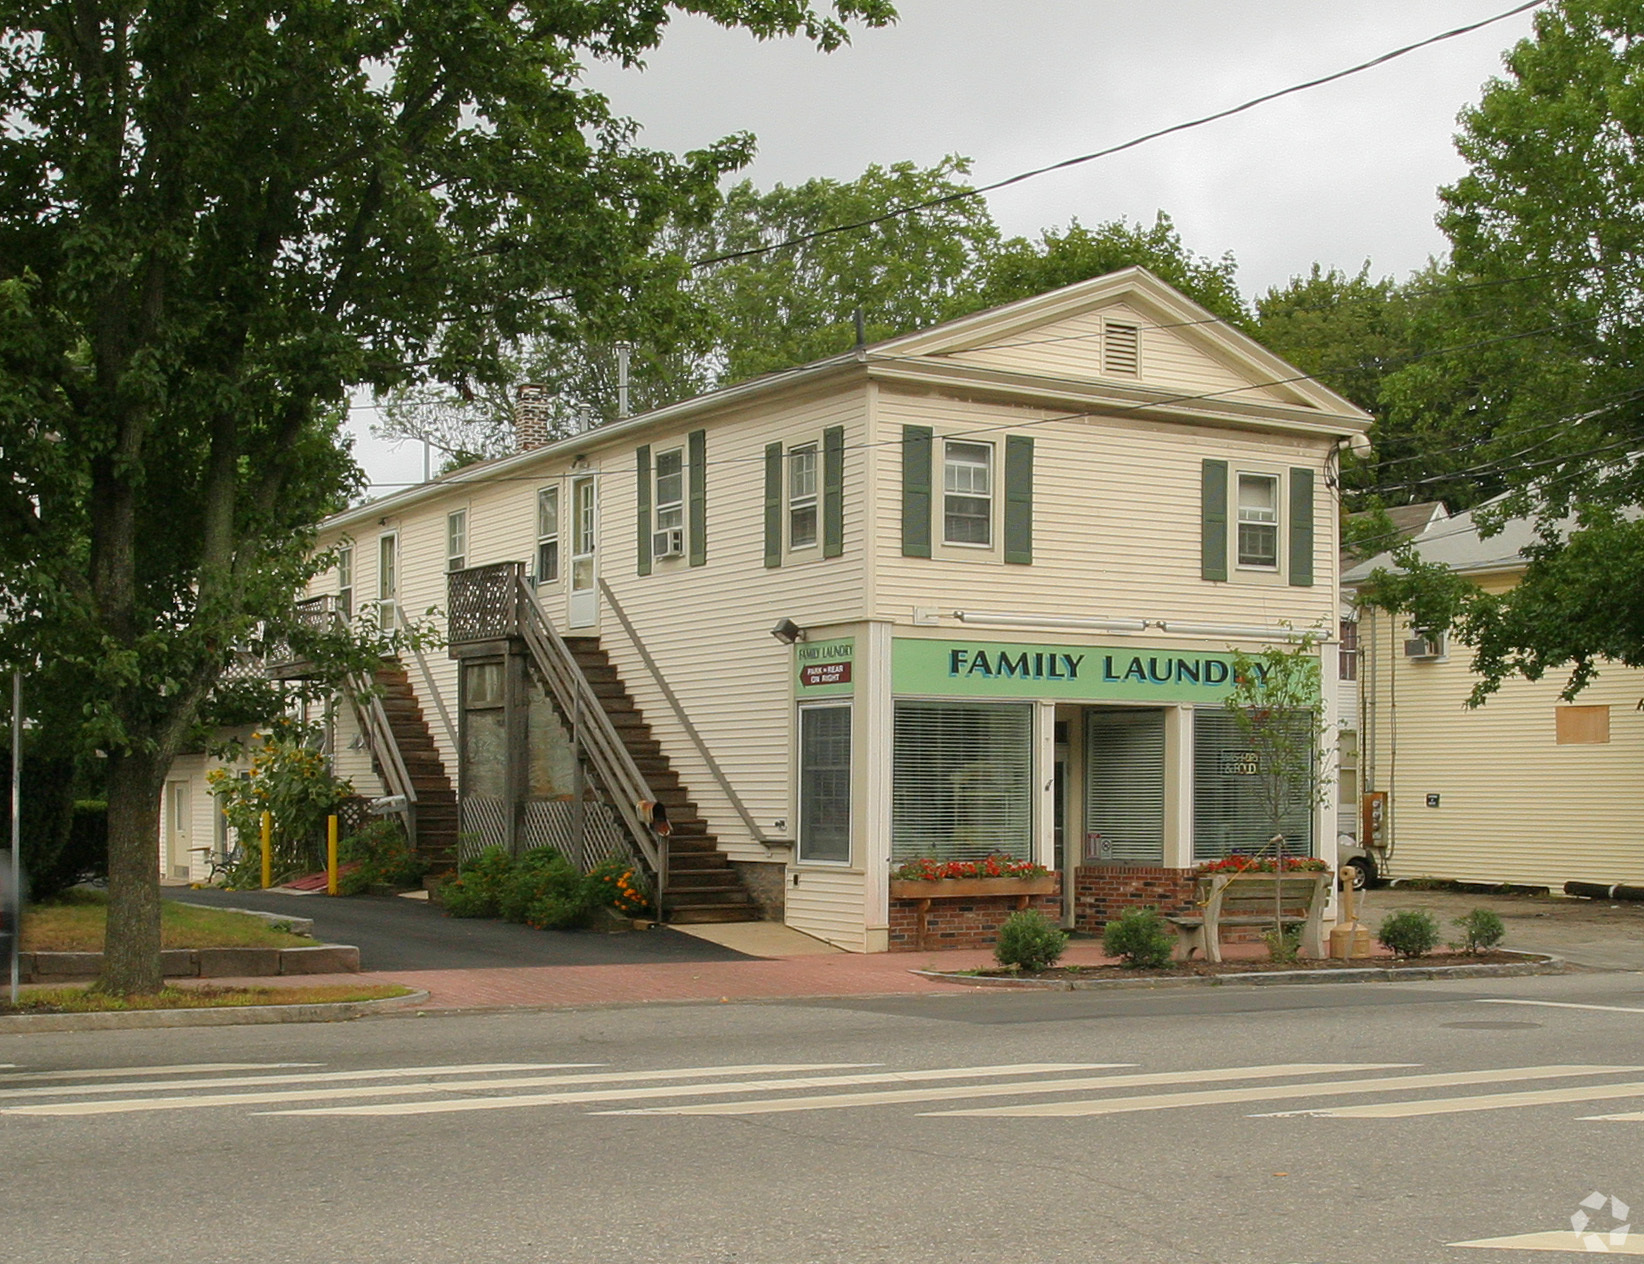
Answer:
(398, 934)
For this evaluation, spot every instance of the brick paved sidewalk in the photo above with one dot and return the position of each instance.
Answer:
(877, 974)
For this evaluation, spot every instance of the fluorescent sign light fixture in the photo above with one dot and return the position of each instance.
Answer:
(1049, 621)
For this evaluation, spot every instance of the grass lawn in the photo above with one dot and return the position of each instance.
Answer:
(81, 1000)
(73, 922)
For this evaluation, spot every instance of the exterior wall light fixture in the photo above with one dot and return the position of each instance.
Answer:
(787, 631)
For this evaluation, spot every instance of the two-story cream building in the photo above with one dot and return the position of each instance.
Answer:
(968, 591)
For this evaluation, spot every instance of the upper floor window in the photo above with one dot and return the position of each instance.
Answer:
(1259, 520)
(345, 581)
(1349, 657)
(388, 578)
(547, 535)
(967, 493)
(802, 497)
(456, 540)
(670, 490)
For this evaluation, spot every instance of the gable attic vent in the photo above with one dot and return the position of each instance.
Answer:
(1121, 349)
(533, 417)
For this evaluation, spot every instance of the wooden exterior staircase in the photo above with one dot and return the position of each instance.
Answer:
(434, 815)
(702, 885)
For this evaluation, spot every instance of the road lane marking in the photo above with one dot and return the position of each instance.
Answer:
(107, 1073)
(1610, 1009)
(134, 1105)
(321, 1077)
(1482, 1101)
(702, 1090)
(1261, 1093)
(1558, 1240)
(950, 1092)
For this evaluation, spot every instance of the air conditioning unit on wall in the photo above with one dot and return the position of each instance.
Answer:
(1425, 647)
(669, 543)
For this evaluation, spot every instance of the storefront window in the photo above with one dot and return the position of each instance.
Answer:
(1125, 786)
(962, 780)
(825, 784)
(1230, 812)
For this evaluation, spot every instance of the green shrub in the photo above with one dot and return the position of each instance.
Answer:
(616, 884)
(542, 874)
(476, 889)
(381, 855)
(1481, 930)
(1029, 941)
(1409, 933)
(1284, 944)
(1140, 938)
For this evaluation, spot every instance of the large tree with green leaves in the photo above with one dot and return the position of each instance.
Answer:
(1548, 227)
(220, 219)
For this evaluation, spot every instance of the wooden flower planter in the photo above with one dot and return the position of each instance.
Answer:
(1022, 889)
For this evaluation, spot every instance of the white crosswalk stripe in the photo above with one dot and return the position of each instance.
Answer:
(1260, 1093)
(382, 1090)
(1067, 1090)
(699, 1090)
(835, 1101)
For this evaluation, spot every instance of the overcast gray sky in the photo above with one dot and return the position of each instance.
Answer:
(1338, 175)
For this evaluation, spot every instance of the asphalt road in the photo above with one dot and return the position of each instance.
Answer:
(406, 1139)
(399, 934)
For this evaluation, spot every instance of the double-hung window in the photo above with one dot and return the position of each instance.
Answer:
(456, 540)
(547, 535)
(345, 581)
(670, 490)
(967, 493)
(388, 580)
(1259, 521)
(802, 497)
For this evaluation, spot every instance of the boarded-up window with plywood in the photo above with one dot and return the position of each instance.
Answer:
(1582, 726)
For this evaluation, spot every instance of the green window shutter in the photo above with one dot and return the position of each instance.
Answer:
(1213, 520)
(833, 491)
(1019, 499)
(642, 463)
(773, 504)
(696, 459)
(916, 501)
(1301, 528)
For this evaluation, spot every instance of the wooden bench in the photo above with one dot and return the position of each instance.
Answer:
(1247, 899)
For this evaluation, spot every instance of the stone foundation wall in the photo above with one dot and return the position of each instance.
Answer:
(766, 881)
(965, 922)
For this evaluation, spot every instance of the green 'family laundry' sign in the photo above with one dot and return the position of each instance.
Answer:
(993, 669)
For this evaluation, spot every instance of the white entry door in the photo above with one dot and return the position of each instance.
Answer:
(583, 611)
(178, 829)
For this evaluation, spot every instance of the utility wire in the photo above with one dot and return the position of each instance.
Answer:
(1174, 128)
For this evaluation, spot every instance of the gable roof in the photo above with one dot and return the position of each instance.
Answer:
(1455, 542)
(937, 357)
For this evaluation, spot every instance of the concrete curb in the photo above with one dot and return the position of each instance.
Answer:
(199, 963)
(226, 1016)
(1544, 964)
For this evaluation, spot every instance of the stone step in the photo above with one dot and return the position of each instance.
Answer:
(705, 915)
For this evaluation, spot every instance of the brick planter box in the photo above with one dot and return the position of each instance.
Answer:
(1102, 892)
(964, 912)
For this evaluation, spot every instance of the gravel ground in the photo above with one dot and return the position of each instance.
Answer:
(1605, 934)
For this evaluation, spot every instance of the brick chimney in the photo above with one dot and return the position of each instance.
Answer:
(533, 417)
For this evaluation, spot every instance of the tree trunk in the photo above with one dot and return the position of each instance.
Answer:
(131, 947)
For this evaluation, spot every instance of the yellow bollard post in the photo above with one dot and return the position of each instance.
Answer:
(331, 855)
(268, 851)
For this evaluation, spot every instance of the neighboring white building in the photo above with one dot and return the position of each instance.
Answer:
(1526, 788)
(1016, 551)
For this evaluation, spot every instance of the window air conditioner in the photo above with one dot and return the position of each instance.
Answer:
(1425, 646)
(669, 543)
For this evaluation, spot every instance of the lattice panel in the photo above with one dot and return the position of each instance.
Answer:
(553, 824)
(482, 602)
(484, 824)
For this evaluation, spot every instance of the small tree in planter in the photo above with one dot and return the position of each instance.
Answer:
(1277, 704)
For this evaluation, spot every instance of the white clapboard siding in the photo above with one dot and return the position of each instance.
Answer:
(1514, 805)
(1116, 511)
(829, 904)
(1170, 357)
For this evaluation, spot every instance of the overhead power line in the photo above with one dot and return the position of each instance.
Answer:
(1229, 112)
